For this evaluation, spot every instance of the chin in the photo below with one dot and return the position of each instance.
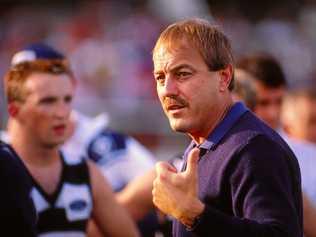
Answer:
(177, 126)
(51, 145)
(55, 144)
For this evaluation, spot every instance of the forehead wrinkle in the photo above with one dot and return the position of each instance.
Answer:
(166, 50)
(169, 64)
(179, 48)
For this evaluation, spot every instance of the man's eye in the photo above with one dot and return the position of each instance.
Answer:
(159, 77)
(48, 100)
(183, 74)
(68, 99)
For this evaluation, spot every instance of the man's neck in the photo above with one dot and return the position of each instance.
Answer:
(199, 138)
(31, 152)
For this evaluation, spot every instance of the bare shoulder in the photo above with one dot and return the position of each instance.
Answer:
(99, 184)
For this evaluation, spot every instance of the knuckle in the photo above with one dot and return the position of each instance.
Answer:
(154, 191)
(159, 165)
(155, 183)
(155, 201)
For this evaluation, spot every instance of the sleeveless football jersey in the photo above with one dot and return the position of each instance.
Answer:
(65, 212)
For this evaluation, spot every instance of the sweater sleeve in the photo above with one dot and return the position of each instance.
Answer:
(265, 189)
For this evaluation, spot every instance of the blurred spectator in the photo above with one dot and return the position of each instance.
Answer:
(269, 83)
(244, 89)
(299, 112)
(298, 119)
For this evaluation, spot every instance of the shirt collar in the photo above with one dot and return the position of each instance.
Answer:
(235, 112)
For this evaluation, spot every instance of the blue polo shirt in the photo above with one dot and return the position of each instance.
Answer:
(249, 181)
(237, 110)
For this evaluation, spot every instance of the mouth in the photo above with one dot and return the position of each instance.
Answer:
(59, 129)
(174, 107)
(175, 110)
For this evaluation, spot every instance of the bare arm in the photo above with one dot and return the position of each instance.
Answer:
(107, 214)
(309, 217)
(136, 197)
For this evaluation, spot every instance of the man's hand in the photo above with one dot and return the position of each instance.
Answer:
(176, 194)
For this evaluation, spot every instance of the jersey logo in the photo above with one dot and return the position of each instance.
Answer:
(76, 199)
(78, 205)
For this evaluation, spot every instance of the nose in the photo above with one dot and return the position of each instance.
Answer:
(168, 88)
(273, 114)
(62, 111)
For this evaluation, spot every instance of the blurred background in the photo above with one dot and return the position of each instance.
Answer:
(109, 44)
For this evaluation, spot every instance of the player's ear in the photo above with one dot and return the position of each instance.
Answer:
(13, 109)
(226, 76)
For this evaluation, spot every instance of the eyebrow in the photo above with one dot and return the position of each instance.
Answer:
(50, 98)
(182, 66)
(177, 68)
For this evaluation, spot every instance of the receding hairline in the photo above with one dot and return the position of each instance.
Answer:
(181, 31)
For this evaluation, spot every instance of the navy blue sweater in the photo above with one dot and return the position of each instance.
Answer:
(249, 181)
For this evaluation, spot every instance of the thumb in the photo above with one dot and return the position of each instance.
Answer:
(164, 169)
(192, 162)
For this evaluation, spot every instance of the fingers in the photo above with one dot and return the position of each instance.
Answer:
(162, 195)
(192, 162)
(164, 175)
(169, 186)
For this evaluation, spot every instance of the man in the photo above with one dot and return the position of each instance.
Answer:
(298, 118)
(239, 177)
(299, 112)
(39, 88)
(244, 88)
(269, 85)
(17, 212)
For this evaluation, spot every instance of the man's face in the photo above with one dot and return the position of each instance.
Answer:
(268, 104)
(304, 125)
(188, 91)
(44, 115)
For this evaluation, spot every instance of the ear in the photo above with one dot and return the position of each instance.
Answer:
(226, 75)
(13, 109)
